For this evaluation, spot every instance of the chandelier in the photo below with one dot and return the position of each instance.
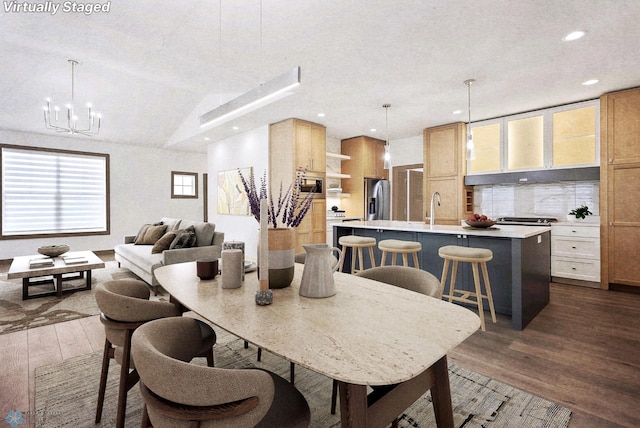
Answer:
(71, 124)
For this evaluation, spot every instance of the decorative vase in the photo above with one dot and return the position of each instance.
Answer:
(281, 257)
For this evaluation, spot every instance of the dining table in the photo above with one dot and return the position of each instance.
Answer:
(386, 346)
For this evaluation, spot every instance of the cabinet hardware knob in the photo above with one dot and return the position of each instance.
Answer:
(573, 248)
(573, 268)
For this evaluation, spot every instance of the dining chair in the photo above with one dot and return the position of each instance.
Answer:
(177, 393)
(125, 306)
(405, 277)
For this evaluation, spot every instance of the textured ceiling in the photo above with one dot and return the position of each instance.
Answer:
(151, 67)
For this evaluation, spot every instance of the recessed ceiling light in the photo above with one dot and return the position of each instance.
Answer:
(590, 82)
(206, 138)
(373, 130)
(575, 35)
(320, 114)
(235, 128)
(457, 112)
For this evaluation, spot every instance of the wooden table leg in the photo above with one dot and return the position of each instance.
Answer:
(441, 394)
(353, 405)
(25, 288)
(88, 275)
(57, 283)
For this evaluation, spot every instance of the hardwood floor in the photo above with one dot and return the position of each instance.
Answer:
(582, 351)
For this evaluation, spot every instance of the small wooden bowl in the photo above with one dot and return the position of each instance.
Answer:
(480, 224)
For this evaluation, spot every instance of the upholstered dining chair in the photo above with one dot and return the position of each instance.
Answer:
(125, 306)
(410, 278)
(179, 394)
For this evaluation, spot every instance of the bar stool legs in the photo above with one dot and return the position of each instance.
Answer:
(357, 243)
(476, 256)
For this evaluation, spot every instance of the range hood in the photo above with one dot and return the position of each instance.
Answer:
(539, 176)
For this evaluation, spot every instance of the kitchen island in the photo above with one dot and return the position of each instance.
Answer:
(520, 271)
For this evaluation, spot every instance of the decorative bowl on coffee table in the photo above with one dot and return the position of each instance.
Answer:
(53, 250)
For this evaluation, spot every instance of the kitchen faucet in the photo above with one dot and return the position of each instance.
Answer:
(432, 212)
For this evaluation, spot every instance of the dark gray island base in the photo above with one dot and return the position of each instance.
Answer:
(520, 271)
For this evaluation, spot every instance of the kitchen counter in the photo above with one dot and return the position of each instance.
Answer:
(519, 272)
(497, 231)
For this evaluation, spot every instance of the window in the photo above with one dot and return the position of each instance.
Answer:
(47, 192)
(184, 184)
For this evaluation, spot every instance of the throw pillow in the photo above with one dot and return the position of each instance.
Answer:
(150, 235)
(143, 229)
(185, 239)
(204, 231)
(164, 243)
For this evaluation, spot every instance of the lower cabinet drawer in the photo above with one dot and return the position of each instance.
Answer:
(581, 269)
(575, 247)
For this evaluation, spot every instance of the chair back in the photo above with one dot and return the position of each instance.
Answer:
(127, 301)
(410, 278)
(221, 397)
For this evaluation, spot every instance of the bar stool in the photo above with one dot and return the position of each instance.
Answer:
(475, 256)
(357, 243)
(395, 247)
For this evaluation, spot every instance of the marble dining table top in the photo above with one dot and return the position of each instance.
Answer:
(369, 333)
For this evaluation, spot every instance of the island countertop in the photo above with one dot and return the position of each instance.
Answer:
(497, 231)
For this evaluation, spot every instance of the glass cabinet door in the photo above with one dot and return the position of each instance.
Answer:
(486, 141)
(525, 143)
(574, 137)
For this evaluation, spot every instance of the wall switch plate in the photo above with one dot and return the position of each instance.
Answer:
(539, 239)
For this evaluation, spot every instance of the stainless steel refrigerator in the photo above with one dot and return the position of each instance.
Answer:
(377, 199)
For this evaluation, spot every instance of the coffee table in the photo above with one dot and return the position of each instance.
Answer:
(59, 271)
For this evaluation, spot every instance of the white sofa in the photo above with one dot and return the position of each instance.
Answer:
(140, 260)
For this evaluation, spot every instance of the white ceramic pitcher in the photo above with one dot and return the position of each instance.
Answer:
(319, 266)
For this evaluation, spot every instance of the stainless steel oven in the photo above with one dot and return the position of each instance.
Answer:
(313, 184)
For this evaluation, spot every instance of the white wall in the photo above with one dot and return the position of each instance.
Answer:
(140, 180)
(249, 149)
(406, 151)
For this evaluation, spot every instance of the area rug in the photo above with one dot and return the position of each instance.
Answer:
(17, 314)
(66, 395)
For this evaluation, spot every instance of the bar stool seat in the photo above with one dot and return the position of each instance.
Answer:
(357, 243)
(397, 246)
(475, 256)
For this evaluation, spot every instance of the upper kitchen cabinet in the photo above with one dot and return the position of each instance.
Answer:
(442, 150)
(525, 143)
(619, 181)
(299, 144)
(311, 146)
(555, 138)
(486, 139)
(366, 157)
(365, 160)
(443, 172)
(575, 139)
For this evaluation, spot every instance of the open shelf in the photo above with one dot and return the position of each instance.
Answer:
(338, 156)
(336, 175)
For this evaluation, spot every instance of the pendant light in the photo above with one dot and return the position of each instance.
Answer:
(471, 150)
(387, 155)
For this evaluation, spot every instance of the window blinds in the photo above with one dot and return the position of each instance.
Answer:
(53, 192)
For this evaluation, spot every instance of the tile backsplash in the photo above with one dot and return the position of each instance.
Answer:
(542, 200)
